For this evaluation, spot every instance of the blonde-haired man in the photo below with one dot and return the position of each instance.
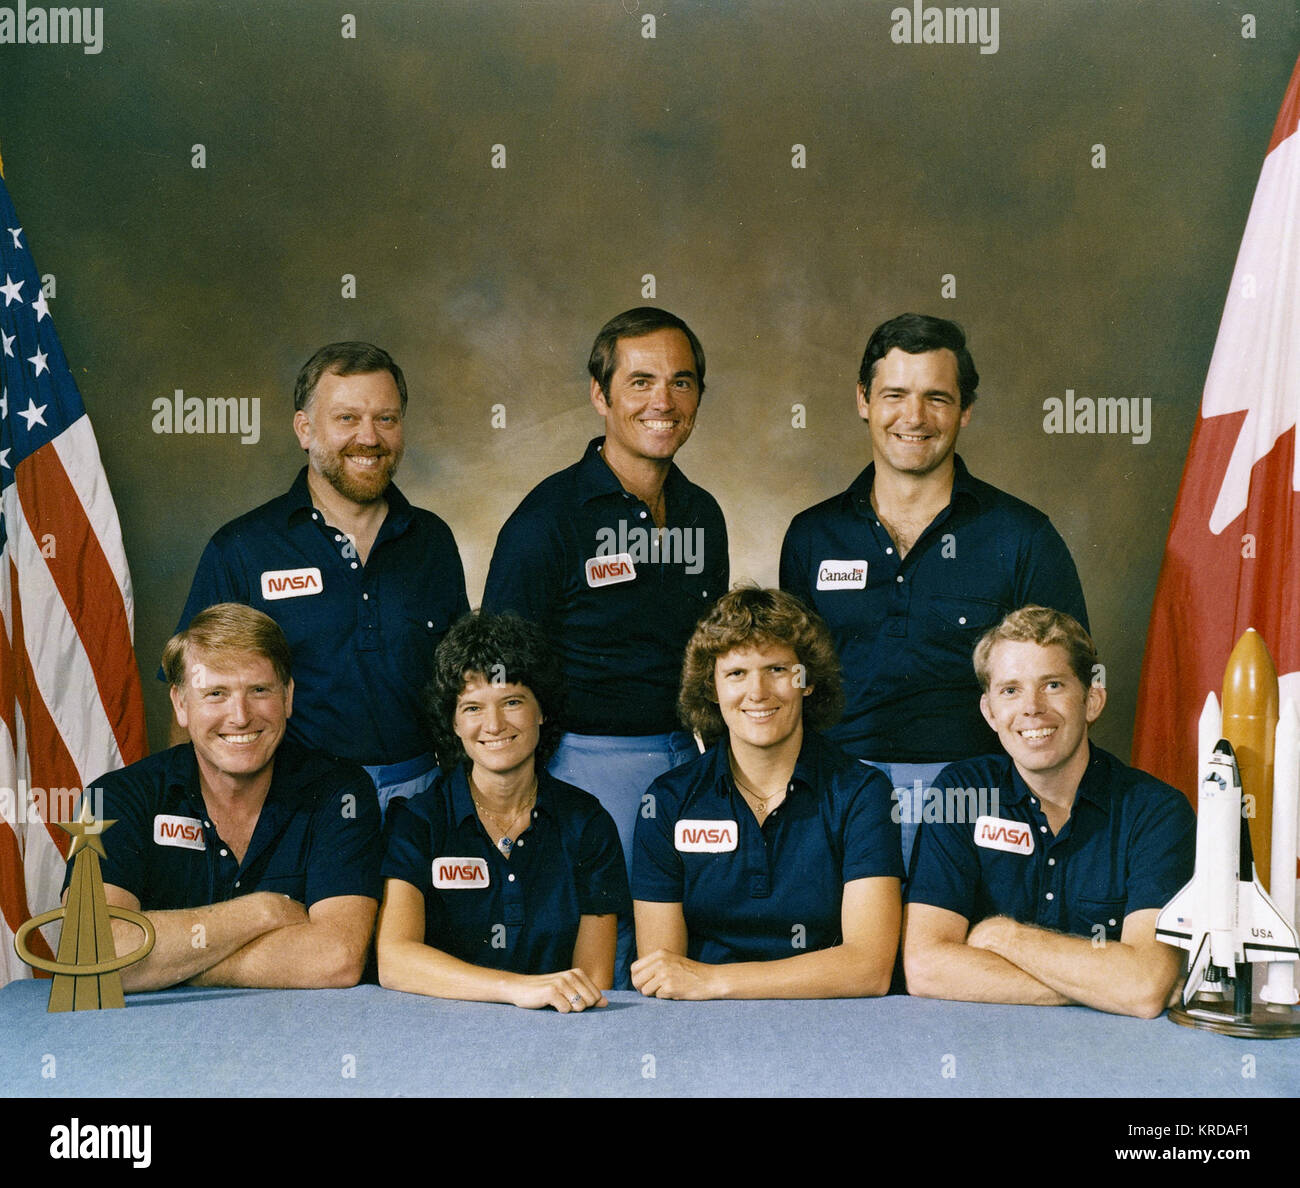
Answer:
(1047, 891)
(255, 859)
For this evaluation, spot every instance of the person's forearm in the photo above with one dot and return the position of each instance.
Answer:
(191, 940)
(843, 971)
(1111, 976)
(308, 956)
(958, 971)
(417, 968)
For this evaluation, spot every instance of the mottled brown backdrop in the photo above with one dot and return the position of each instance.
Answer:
(625, 156)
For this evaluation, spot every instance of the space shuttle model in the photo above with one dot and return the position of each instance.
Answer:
(1225, 917)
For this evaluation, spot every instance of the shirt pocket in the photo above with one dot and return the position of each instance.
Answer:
(1086, 916)
(957, 621)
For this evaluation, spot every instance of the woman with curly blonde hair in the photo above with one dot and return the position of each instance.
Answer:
(771, 866)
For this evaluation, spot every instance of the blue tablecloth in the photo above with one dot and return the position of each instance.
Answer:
(371, 1042)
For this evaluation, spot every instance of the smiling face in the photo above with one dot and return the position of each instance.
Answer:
(352, 432)
(1039, 708)
(498, 725)
(913, 411)
(235, 709)
(653, 396)
(760, 694)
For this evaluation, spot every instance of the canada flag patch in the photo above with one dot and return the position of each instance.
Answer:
(996, 833)
(842, 575)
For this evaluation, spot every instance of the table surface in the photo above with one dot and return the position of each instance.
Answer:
(372, 1042)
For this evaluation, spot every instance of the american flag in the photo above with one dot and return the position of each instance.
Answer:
(70, 702)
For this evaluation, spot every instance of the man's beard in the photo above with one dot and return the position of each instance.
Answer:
(358, 487)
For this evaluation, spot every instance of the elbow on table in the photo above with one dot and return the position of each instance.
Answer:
(923, 972)
(388, 966)
(342, 968)
(1147, 1002)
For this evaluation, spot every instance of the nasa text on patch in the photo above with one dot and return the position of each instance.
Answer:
(705, 837)
(606, 571)
(186, 832)
(460, 874)
(290, 583)
(996, 833)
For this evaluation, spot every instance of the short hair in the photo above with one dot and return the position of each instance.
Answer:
(503, 649)
(747, 616)
(637, 323)
(916, 334)
(222, 632)
(345, 358)
(1045, 627)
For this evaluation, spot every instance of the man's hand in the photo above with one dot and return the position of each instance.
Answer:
(989, 933)
(663, 974)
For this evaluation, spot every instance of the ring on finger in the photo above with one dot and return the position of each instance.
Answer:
(576, 1000)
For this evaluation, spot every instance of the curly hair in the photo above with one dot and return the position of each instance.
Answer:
(748, 616)
(503, 649)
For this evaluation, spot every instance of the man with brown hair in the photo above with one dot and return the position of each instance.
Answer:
(1047, 890)
(255, 859)
(364, 584)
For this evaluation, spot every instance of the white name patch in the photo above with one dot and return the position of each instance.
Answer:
(186, 832)
(460, 874)
(290, 583)
(608, 571)
(842, 575)
(705, 837)
(995, 833)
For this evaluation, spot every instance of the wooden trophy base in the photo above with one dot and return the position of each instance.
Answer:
(1217, 1014)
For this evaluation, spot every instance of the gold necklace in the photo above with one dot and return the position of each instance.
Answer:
(505, 843)
(762, 808)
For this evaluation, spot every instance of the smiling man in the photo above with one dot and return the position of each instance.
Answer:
(363, 584)
(917, 559)
(618, 557)
(256, 861)
(1051, 896)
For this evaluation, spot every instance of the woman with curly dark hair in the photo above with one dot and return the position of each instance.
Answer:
(501, 884)
(771, 866)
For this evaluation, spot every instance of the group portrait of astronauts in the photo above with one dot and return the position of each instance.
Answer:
(623, 773)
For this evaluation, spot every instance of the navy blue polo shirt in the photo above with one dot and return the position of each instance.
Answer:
(520, 915)
(905, 630)
(316, 837)
(751, 892)
(363, 636)
(1129, 844)
(581, 557)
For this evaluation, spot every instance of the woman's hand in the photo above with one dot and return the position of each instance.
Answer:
(568, 990)
(664, 974)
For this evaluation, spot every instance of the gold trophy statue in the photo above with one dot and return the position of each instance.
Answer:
(87, 968)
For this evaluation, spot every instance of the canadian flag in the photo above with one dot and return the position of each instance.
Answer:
(1232, 560)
